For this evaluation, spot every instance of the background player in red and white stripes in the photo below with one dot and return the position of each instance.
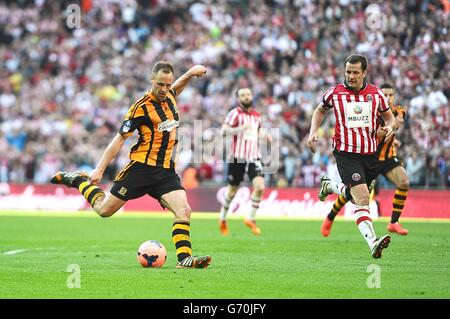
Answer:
(243, 122)
(355, 103)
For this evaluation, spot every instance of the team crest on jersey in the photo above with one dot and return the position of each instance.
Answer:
(123, 191)
(356, 177)
(357, 109)
(369, 98)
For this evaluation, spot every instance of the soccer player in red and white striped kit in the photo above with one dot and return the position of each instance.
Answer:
(243, 123)
(355, 103)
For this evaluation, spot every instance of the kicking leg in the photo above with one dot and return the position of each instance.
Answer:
(104, 206)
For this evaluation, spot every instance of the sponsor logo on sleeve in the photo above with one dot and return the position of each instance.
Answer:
(126, 126)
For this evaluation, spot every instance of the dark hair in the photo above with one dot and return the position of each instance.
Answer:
(165, 66)
(356, 58)
(386, 86)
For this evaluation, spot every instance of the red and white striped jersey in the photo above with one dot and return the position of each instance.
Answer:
(356, 117)
(244, 144)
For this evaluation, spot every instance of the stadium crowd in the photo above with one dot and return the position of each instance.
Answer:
(64, 90)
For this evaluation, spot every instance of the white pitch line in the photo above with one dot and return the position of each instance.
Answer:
(13, 252)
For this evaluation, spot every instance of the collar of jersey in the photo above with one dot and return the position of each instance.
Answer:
(348, 87)
(152, 98)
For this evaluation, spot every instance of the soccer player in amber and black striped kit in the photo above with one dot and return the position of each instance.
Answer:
(390, 166)
(151, 170)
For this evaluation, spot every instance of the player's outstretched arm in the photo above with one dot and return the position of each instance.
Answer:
(317, 119)
(110, 152)
(182, 81)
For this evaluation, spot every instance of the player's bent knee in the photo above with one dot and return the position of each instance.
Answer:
(104, 213)
(259, 191)
(231, 194)
(108, 206)
(403, 184)
(184, 214)
(232, 190)
(107, 211)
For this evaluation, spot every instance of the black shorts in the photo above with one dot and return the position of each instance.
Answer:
(236, 171)
(356, 169)
(389, 164)
(138, 179)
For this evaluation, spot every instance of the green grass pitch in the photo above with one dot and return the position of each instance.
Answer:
(289, 260)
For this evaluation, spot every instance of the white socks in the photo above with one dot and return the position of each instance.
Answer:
(225, 207)
(364, 222)
(254, 208)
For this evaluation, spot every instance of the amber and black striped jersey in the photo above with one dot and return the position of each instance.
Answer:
(387, 150)
(157, 124)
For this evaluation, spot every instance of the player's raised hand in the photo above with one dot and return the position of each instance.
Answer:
(311, 143)
(198, 70)
(95, 176)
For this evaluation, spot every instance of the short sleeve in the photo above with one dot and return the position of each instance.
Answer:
(326, 102)
(132, 120)
(383, 106)
(232, 118)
